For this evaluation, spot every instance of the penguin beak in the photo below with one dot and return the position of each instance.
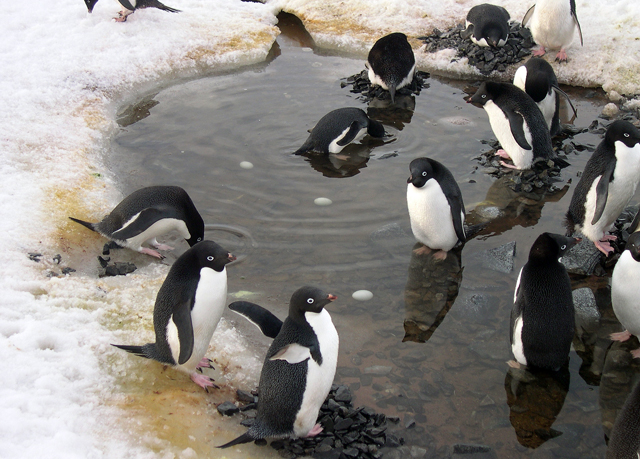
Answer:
(410, 179)
(230, 257)
(331, 297)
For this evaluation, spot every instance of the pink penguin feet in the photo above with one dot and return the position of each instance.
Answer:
(562, 56)
(203, 381)
(540, 52)
(603, 244)
(315, 431)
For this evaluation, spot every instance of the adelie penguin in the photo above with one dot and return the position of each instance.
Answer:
(624, 442)
(435, 207)
(517, 122)
(187, 311)
(130, 6)
(391, 63)
(487, 25)
(298, 371)
(553, 23)
(607, 184)
(148, 213)
(339, 128)
(542, 318)
(537, 78)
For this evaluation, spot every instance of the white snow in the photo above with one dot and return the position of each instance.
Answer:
(63, 74)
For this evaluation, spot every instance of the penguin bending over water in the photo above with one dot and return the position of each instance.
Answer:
(487, 25)
(517, 122)
(130, 6)
(298, 371)
(187, 311)
(435, 207)
(391, 63)
(607, 184)
(148, 213)
(542, 318)
(339, 128)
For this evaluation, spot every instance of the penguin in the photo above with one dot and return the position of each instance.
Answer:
(298, 371)
(435, 207)
(624, 442)
(130, 6)
(148, 213)
(538, 79)
(517, 122)
(188, 308)
(487, 25)
(391, 63)
(607, 184)
(553, 23)
(625, 288)
(542, 318)
(339, 128)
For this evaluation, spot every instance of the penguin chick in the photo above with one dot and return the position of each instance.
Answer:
(607, 184)
(130, 6)
(542, 318)
(187, 311)
(298, 371)
(487, 25)
(339, 128)
(391, 63)
(148, 213)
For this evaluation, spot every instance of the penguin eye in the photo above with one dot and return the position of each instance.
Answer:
(484, 96)
(626, 134)
(210, 258)
(199, 239)
(310, 300)
(424, 174)
(563, 247)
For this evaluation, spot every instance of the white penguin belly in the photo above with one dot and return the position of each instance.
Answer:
(319, 377)
(625, 292)
(552, 25)
(408, 79)
(516, 348)
(430, 216)
(521, 158)
(375, 79)
(548, 107)
(159, 228)
(335, 148)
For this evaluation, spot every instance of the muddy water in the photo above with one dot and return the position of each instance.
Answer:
(431, 345)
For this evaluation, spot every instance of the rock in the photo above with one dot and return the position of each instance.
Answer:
(500, 258)
(470, 451)
(610, 110)
(117, 269)
(587, 312)
(227, 409)
(388, 232)
(582, 258)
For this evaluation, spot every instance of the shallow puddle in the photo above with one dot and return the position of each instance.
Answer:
(431, 346)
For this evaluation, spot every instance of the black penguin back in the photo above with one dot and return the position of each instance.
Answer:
(625, 435)
(490, 22)
(391, 58)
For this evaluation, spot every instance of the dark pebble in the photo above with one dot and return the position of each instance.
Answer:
(244, 396)
(34, 256)
(68, 270)
(227, 409)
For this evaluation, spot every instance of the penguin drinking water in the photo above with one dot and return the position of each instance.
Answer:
(130, 6)
(607, 184)
(542, 317)
(298, 371)
(537, 78)
(339, 128)
(487, 25)
(391, 63)
(517, 122)
(187, 311)
(148, 213)
(435, 207)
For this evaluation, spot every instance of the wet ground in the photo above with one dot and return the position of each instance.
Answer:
(431, 346)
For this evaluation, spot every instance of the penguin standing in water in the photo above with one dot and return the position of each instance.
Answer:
(538, 79)
(625, 288)
(607, 184)
(187, 311)
(130, 6)
(148, 213)
(298, 371)
(339, 128)
(435, 207)
(487, 25)
(391, 63)
(553, 23)
(542, 318)
(624, 442)
(517, 122)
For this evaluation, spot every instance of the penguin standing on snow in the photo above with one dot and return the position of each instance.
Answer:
(624, 442)
(607, 184)
(435, 207)
(517, 122)
(298, 371)
(339, 128)
(148, 213)
(130, 6)
(487, 25)
(187, 311)
(553, 23)
(391, 63)
(625, 288)
(542, 318)
(538, 79)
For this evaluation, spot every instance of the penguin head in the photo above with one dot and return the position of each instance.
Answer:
(486, 92)
(211, 255)
(90, 4)
(195, 225)
(551, 246)
(492, 35)
(633, 245)
(421, 171)
(309, 299)
(622, 131)
(375, 129)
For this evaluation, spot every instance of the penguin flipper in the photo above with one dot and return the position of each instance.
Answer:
(516, 122)
(602, 191)
(467, 32)
(182, 319)
(137, 350)
(575, 19)
(244, 438)
(162, 6)
(127, 4)
(457, 215)
(268, 323)
(557, 88)
(89, 225)
(292, 353)
(518, 306)
(143, 221)
(528, 15)
(350, 135)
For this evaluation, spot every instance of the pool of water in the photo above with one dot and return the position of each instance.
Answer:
(431, 346)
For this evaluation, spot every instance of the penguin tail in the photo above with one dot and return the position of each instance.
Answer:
(244, 438)
(140, 351)
(89, 225)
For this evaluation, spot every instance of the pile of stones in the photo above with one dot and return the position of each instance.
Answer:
(361, 85)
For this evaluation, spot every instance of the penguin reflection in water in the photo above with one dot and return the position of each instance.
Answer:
(130, 6)
(187, 311)
(299, 367)
(435, 207)
(391, 63)
(542, 318)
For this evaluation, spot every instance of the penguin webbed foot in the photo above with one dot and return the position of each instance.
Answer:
(562, 56)
(539, 52)
(424, 250)
(514, 364)
(159, 245)
(503, 154)
(604, 247)
(508, 166)
(151, 252)
(620, 336)
(122, 16)
(314, 431)
(205, 363)
(636, 353)
(203, 381)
